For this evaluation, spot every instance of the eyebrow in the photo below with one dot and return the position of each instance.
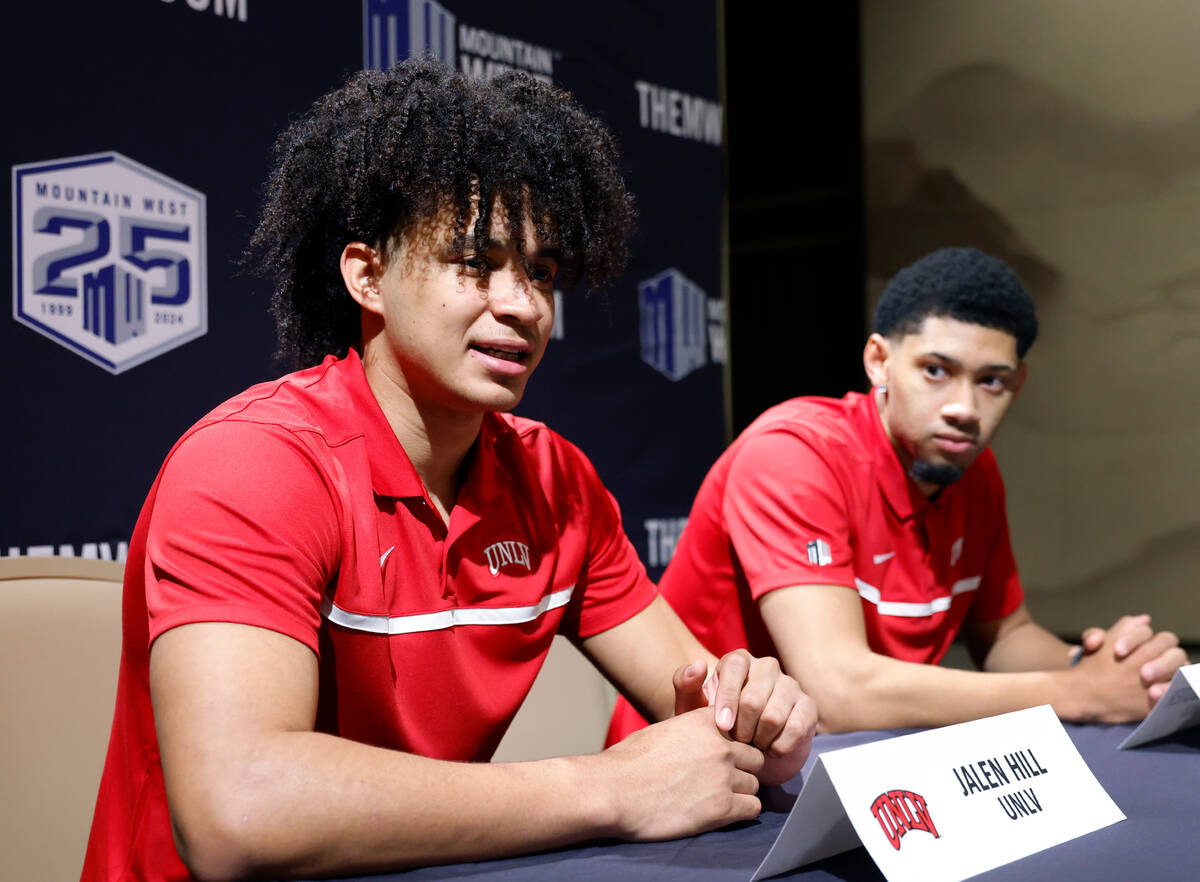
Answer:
(548, 252)
(1008, 368)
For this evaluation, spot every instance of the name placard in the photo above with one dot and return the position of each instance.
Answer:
(946, 804)
(1179, 708)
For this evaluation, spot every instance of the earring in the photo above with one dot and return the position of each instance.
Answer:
(881, 388)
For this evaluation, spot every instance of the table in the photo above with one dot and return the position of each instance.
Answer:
(1157, 786)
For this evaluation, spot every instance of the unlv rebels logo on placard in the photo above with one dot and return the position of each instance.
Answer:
(899, 811)
(108, 258)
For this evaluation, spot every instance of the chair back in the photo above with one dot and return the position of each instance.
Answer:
(566, 712)
(60, 645)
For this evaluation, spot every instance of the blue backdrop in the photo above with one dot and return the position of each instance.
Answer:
(139, 137)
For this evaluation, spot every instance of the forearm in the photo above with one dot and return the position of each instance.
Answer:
(872, 691)
(823, 643)
(1028, 647)
(254, 791)
(309, 804)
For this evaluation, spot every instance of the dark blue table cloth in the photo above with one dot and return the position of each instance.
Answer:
(1157, 787)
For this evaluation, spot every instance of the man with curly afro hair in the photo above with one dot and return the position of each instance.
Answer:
(856, 537)
(343, 582)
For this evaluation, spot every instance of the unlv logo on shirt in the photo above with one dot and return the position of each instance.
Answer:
(510, 551)
(899, 811)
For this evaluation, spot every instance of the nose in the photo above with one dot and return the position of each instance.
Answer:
(961, 408)
(511, 297)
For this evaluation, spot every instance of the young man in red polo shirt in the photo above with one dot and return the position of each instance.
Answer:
(855, 538)
(343, 582)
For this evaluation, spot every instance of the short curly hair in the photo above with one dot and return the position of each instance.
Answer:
(958, 283)
(389, 150)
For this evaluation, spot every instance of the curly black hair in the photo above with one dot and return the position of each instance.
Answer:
(389, 150)
(958, 283)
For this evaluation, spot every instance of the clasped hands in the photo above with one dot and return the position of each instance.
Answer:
(1132, 640)
(753, 702)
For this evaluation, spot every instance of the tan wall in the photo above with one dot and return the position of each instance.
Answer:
(1065, 138)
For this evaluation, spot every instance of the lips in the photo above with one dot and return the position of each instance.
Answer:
(954, 443)
(503, 357)
(506, 354)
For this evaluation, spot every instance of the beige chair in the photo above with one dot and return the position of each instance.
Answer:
(566, 712)
(60, 644)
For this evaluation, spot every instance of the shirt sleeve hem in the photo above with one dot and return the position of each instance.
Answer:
(636, 600)
(799, 577)
(236, 615)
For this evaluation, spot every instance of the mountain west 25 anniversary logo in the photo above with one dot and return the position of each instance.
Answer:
(109, 258)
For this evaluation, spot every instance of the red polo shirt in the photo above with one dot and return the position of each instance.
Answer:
(812, 493)
(293, 507)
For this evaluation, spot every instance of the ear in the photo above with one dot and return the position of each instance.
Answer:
(875, 358)
(361, 269)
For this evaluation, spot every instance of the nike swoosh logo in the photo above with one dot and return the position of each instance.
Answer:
(880, 558)
(384, 556)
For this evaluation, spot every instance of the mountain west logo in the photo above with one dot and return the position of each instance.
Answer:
(679, 324)
(819, 553)
(899, 811)
(394, 30)
(501, 554)
(108, 258)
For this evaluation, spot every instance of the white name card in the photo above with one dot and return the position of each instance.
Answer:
(1178, 709)
(946, 804)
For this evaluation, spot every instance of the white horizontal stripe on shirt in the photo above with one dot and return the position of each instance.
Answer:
(871, 594)
(446, 618)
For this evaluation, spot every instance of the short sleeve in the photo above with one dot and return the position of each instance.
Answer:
(787, 515)
(614, 581)
(1000, 593)
(243, 530)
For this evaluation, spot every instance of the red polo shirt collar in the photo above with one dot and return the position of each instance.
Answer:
(392, 472)
(902, 494)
